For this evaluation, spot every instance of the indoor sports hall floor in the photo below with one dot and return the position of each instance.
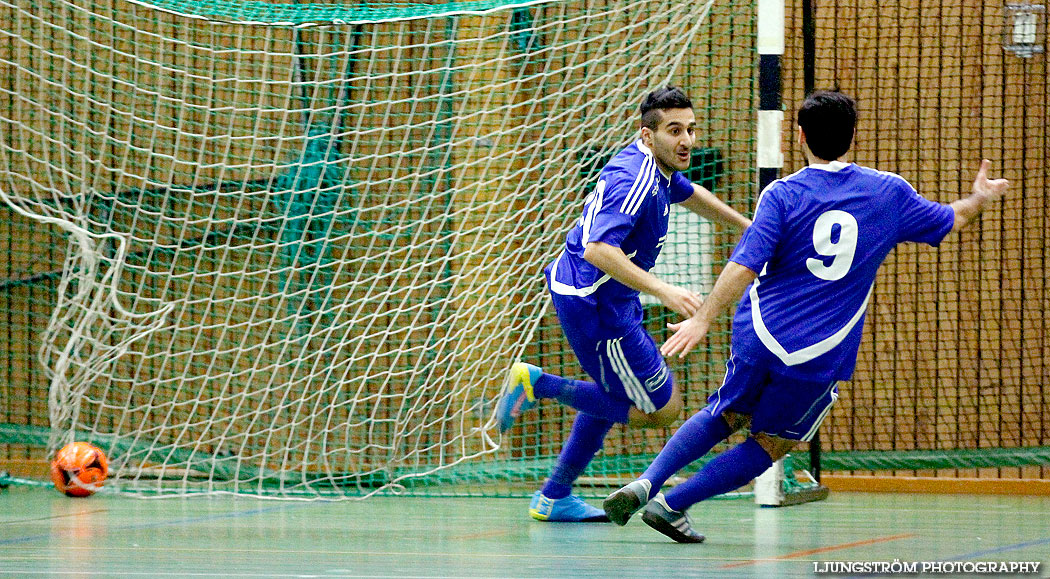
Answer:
(43, 534)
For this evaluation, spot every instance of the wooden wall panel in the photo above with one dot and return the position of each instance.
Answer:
(951, 357)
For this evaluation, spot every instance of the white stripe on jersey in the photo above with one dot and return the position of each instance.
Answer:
(833, 166)
(809, 352)
(642, 181)
(631, 385)
(823, 415)
(564, 289)
(718, 393)
(596, 204)
(637, 181)
(639, 197)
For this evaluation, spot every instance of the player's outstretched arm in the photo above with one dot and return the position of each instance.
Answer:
(985, 191)
(728, 288)
(613, 261)
(706, 205)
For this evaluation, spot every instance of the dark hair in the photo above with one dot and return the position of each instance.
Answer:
(828, 118)
(669, 97)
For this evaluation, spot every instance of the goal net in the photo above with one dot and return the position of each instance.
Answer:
(305, 241)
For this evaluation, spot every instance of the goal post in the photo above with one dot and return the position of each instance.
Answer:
(305, 242)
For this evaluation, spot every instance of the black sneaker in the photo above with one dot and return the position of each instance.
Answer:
(670, 522)
(625, 502)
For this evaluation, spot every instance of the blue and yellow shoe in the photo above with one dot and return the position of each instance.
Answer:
(570, 509)
(518, 396)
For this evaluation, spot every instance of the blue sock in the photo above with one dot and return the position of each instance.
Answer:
(726, 472)
(587, 397)
(588, 434)
(691, 441)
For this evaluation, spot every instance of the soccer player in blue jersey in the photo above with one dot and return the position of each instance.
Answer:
(807, 263)
(594, 285)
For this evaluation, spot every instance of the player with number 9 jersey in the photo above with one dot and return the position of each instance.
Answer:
(817, 241)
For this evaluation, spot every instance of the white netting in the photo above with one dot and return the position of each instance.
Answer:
(302, 258)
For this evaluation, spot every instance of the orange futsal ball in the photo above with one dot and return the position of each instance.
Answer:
(79, 469)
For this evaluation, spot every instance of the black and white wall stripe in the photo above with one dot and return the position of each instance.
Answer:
(770, 108)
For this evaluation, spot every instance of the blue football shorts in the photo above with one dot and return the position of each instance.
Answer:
(626, 362)
(778, 405)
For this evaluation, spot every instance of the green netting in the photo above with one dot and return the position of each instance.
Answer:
(484, 478)
(328, 14)
(295, 260)
(936, 459)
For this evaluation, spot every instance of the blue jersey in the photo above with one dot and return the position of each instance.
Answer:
(628, 208)
(817, 241)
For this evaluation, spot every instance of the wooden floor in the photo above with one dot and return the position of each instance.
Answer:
(43, 534)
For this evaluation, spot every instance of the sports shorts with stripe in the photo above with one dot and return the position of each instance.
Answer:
(624, 361)
(779, 405)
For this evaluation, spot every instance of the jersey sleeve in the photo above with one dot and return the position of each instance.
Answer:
(760, 239)
(606, 218)
(922, 220)
(681, 188)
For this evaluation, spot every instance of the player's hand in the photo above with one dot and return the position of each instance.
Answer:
(680, 300)
(686, 336)
(990, 189)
